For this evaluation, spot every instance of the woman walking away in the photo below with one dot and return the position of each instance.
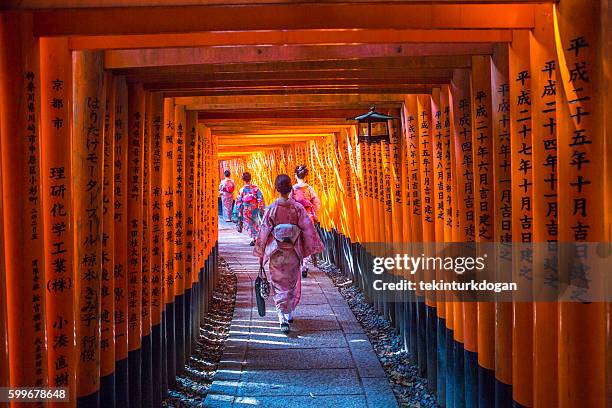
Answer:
(305, 195)
(286, 237)
(248, 204)
(226, 189)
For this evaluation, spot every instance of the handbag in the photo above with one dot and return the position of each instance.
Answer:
(262, 290)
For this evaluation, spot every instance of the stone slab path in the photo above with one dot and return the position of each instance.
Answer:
(326, 360)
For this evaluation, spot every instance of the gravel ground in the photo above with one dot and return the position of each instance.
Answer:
(409, 388)
(192, 386)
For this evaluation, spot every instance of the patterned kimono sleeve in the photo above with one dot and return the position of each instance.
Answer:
(316, 203)
(260, 199)
(264, 232)
(239, 203)
(311, 242)
(221, 186)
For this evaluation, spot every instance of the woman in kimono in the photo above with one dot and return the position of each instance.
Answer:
(286, 237)
(305, 195)
(226, 190)
(248, 204)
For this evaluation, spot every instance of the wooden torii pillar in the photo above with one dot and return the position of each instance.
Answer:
(146, 347)
(107, 290)
(189, 223)
(464, 390)
(168, 148)
(544, 81)
(502, 213)
(22, 201)
(56, 162)
(88, 156)
(484, 187)
(155, 110)
(4, 350)
(583, 359)
(135, 137)
(120, 216)
(179, 231)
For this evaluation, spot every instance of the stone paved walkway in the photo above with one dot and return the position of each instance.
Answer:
(326, 361)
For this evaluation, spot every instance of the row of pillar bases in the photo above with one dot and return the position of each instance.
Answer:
(453, 373)
(144, 378)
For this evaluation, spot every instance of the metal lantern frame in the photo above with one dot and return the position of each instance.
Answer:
(376, 118)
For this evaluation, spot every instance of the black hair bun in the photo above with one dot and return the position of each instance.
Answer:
(301, 171)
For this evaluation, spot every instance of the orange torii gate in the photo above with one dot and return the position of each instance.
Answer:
(109, 179)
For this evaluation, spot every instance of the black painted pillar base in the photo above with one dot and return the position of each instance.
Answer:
(164, 356)
(459, 375)
(195, 315)
(503, 395)
(421, 336)
(486, 388)
(432, 342)
(122, 385)
(156, 365)
(450, 368)
(107, 391)
(134, 378)
(411, 307)
(179, 332)
(147, 371)
(202, 293)
(205, 284)
(441, 360)
(187, 318)
(170, 345)
(470, 371)
(89, 401)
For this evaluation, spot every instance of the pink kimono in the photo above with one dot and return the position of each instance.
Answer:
(287, 235)
(305, 195)
(226, 188)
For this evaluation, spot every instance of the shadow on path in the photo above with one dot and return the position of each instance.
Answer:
(326, 361)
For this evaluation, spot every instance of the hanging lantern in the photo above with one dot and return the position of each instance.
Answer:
(373, 126)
